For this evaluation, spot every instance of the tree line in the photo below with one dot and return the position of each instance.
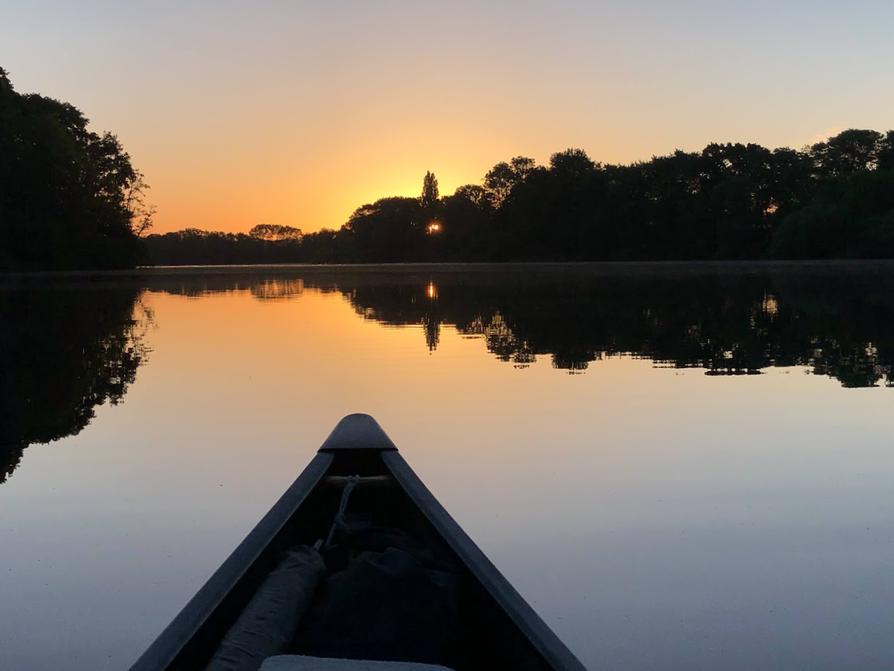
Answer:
(265, 243)
(69, 197)
(834, 199)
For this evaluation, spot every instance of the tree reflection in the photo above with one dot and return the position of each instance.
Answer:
(67, 348)
(275, 289)
(63, 351)
(727, 323)
(728, 320)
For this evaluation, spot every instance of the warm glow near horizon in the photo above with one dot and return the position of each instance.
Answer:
(296, 114)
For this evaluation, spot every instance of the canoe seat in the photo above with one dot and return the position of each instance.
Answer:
(302, 663)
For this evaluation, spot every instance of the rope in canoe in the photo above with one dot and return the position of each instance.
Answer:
(351, 482)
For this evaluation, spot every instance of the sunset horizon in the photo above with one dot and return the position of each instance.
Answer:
(280, 115)
(428, 336)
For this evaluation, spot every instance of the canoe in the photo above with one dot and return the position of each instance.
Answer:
(446, 605)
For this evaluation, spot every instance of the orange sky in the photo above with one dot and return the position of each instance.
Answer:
(297, 113)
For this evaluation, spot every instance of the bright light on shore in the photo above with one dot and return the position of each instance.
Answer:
(433, 227)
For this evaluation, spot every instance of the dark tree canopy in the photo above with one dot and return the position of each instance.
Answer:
(430, 196)
(501, 179)
(389, 229)
(275, 232)
(193, 246)
(69, 197)
(850, 152)
(727, 201)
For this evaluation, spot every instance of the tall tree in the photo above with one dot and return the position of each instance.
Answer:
(849, 152)
(69, 197)
(430, 195)
(732, 200)
(503, 177)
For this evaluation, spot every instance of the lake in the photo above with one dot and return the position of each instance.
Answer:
(680, 466)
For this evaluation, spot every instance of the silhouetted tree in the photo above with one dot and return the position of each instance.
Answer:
(391, 229)
(69, 198)
(477, 195)
(430, 195)
(851, 217)
(886, 154)
(729, 201)
(467, 215)
(500, 180)
(849, 152)
(193, 246)
(275, 232)
(571, 165)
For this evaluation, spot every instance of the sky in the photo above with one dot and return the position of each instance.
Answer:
(296, 113)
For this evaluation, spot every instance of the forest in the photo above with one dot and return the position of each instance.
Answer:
(69, 198)
(834, 199)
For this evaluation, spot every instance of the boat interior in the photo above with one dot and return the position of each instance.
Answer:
(356, 572)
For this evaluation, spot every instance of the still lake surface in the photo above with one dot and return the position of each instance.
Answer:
(679, 466)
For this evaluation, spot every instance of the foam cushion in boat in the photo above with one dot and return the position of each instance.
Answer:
(266, 626)
(302, 663)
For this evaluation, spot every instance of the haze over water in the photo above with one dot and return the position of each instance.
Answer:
(680, 467)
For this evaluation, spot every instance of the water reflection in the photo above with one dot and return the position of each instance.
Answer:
(277, 289)
(729, 322)
(76, 346)
(64, 350)
(619, 501)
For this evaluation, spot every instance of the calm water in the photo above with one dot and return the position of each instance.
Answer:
(679, 467)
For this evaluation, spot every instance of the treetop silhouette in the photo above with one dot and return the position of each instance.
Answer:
(834, 199)
(430, 196)
(69, 197)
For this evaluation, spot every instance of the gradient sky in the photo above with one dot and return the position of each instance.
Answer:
(298, 112)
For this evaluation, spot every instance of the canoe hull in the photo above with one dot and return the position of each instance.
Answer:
(514, 634)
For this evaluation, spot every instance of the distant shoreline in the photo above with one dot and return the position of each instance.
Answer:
(609, 268)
